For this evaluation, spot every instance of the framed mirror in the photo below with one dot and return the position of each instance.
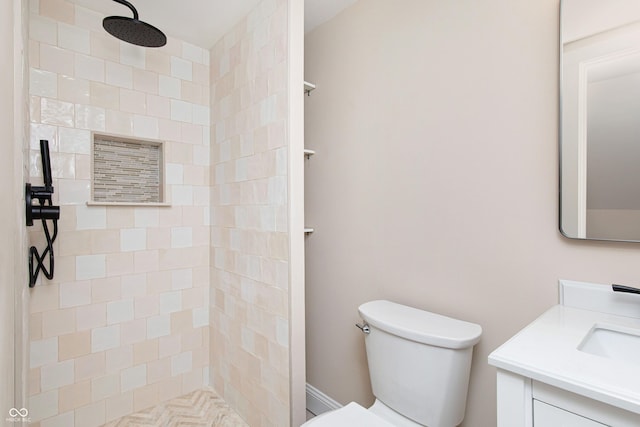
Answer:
(600, 119)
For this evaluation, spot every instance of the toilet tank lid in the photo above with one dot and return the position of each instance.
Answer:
(419, 325)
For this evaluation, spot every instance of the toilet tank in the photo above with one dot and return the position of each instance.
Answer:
(419, 362)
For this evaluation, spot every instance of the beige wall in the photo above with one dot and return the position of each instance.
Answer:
(124, 323)
(250, 236)
(435, 179)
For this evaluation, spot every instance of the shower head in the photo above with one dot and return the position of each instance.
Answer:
(132, 30)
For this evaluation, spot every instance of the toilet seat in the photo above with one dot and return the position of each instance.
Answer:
(352, 415)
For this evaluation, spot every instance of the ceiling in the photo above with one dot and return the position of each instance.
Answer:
(203, 22)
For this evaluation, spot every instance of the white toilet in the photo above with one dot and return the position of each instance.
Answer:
(419, 363)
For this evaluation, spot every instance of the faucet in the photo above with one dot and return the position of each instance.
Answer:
(626, 289)
(43, 210)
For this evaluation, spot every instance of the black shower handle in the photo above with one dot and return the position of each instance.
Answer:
(46, 165)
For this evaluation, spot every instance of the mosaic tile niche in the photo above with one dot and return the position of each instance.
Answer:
(127, 171)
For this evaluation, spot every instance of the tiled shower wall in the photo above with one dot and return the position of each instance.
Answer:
(124, 323)
(249, 234)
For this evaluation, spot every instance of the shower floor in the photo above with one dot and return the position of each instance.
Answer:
(201, 408)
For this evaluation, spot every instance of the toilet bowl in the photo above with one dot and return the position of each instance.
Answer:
(352, 415)
(419, 364)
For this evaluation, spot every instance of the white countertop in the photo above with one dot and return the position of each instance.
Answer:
(547, 351)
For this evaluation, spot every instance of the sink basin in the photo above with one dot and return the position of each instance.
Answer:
(614, 342)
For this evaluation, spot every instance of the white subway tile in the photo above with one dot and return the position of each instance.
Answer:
(181, 363)
(58, 60)
(132, 55)
(133, 239)
(247, 339)
(181, 237)
(42, 29)
(119, 75)
(146, 306)
(76, 141)
(43, 83)
(158, 326)
(182, 195)
(182, 279)
(134, 286)
(119, 122)
(158, 107)
(103, 387)
(181, 111)
(169, 346)
(133, 378)
(90, 68)
(43, 405)
(170, 302)
(277, 191)
(92, 415)
(119, 406)
(89, 19)
(192, 53)
(119, 311)
(282, 331)
(63, 420)
(90, 267)
(105, 338)
(74, 38)
(200, 317)
(169, 87)
(146, 127)
(48, 132)
(74, 192)
(43, 352)
(174, 173)
(242, 167)
(92, 118)
(133, 101)
(91, 316)
(181, 68)
(206, 134)
(54, 112)
(91, 217)
(201, 115)
(201, 155)
(75, 294)
(119, 358)
(146, 217)
(57, 375)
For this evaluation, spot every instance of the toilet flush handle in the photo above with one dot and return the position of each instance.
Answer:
(364, 327)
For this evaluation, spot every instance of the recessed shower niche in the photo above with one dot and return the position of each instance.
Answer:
(127, 171)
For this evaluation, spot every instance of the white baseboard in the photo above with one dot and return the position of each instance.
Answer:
(318, 402)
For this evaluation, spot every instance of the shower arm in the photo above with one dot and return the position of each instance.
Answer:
(130, 6)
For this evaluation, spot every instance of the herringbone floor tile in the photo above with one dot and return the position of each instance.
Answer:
(201, 408)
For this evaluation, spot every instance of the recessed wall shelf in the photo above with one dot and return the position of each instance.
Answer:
(308, 87)
(127, 171)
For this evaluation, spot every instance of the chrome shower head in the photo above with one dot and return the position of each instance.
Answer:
(132, 30)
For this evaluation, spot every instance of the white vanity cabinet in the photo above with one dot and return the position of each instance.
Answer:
(523, 402)
(545, 415)
(547, 375)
